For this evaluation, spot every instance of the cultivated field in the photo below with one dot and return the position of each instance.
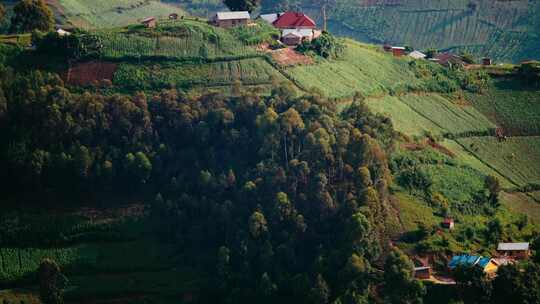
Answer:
(414, 114)
(505, 30)
(361, 69)
(404, 118)
(187, 40)
(512, 106)
(453, 118)
(111, 13)
(248, 71)
(518, 158)
(464, 156)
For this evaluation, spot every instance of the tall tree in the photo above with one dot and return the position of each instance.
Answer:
(242, 5)
(401, 287)
(31, 15)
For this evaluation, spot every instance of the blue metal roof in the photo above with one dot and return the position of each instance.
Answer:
(464, 260)
(484, 262)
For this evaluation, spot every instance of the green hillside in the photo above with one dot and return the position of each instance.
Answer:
(110, 13)
(504, 30)
(202, 170)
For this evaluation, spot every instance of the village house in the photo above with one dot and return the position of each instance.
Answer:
(449, 59)
(149, 22)
(448, 223)
(514, 250)
(488, 265)
(294, 20)
(422, 273)
(417, 55)
(295, 27)
(398, 51)
(231, 19)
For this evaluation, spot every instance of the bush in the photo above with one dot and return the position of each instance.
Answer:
(326, 46)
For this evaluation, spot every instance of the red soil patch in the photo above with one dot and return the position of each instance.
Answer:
(288, 57)
(90, 72)
(411, 146)
(441, 148)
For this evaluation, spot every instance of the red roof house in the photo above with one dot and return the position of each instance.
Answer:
(290, 20)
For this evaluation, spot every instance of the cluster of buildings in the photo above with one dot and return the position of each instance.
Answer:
(295, 27)
(506, 253)
(446, 58)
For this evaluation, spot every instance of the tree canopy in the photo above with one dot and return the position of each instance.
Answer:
(242, 5)
(31, 15)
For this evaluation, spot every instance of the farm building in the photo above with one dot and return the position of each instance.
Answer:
(486, 61)
(448, 223)
(449, 59)
(149, 22)
(422, 273)
(514, 250)
(270, 18)
(294, 20)
(417, 55)
(297, 36)
(488, 265)
(398, 51)
(231, 19)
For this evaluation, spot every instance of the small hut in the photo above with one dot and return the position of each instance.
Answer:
(149, 22)
(448, 223)
(486, 61)
(173, 16)
(515, 250)
(398, 51)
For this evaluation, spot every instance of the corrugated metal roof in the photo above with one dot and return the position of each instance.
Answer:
(513, 246)
(298, 32)
(421, 268)
(417, 55)
(148, 19)
(270, 18)
(463, 260)
(233, 15)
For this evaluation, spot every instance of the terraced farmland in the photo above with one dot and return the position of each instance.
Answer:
(249, 71)
(505, 30)
(188, 40)
(405, 119)
(464, 156)
(454, 118)
(512, 106)
(111, 13)
(361, 69)
(518, 158)
(414, 114)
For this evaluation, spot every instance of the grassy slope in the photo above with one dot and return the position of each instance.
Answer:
(183, 39)
(462, 155)
(513, 106)
(254, 71)
(506, 30)
(362, 69)
(110, 13)
(518, 158)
